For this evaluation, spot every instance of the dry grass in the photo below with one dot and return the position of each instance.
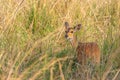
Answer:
(32, 44)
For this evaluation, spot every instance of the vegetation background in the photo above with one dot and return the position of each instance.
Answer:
(32, 44)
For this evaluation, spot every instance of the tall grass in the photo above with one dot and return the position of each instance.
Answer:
(32, 44)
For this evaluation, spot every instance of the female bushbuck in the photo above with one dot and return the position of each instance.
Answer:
(85, 51)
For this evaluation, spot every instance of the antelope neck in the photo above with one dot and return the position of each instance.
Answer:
(74, 42)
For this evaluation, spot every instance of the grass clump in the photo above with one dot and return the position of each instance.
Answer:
(32, 44)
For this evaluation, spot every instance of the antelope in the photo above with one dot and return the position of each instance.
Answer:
(85, 51)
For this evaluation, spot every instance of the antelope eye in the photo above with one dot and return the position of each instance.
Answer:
(71, 31)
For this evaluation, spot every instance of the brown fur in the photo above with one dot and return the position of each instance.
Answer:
(86, 51)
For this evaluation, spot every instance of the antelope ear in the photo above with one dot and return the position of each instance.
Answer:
(66, 25)
(77, 27)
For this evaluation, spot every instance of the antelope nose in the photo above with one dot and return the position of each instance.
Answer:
(66, 36)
